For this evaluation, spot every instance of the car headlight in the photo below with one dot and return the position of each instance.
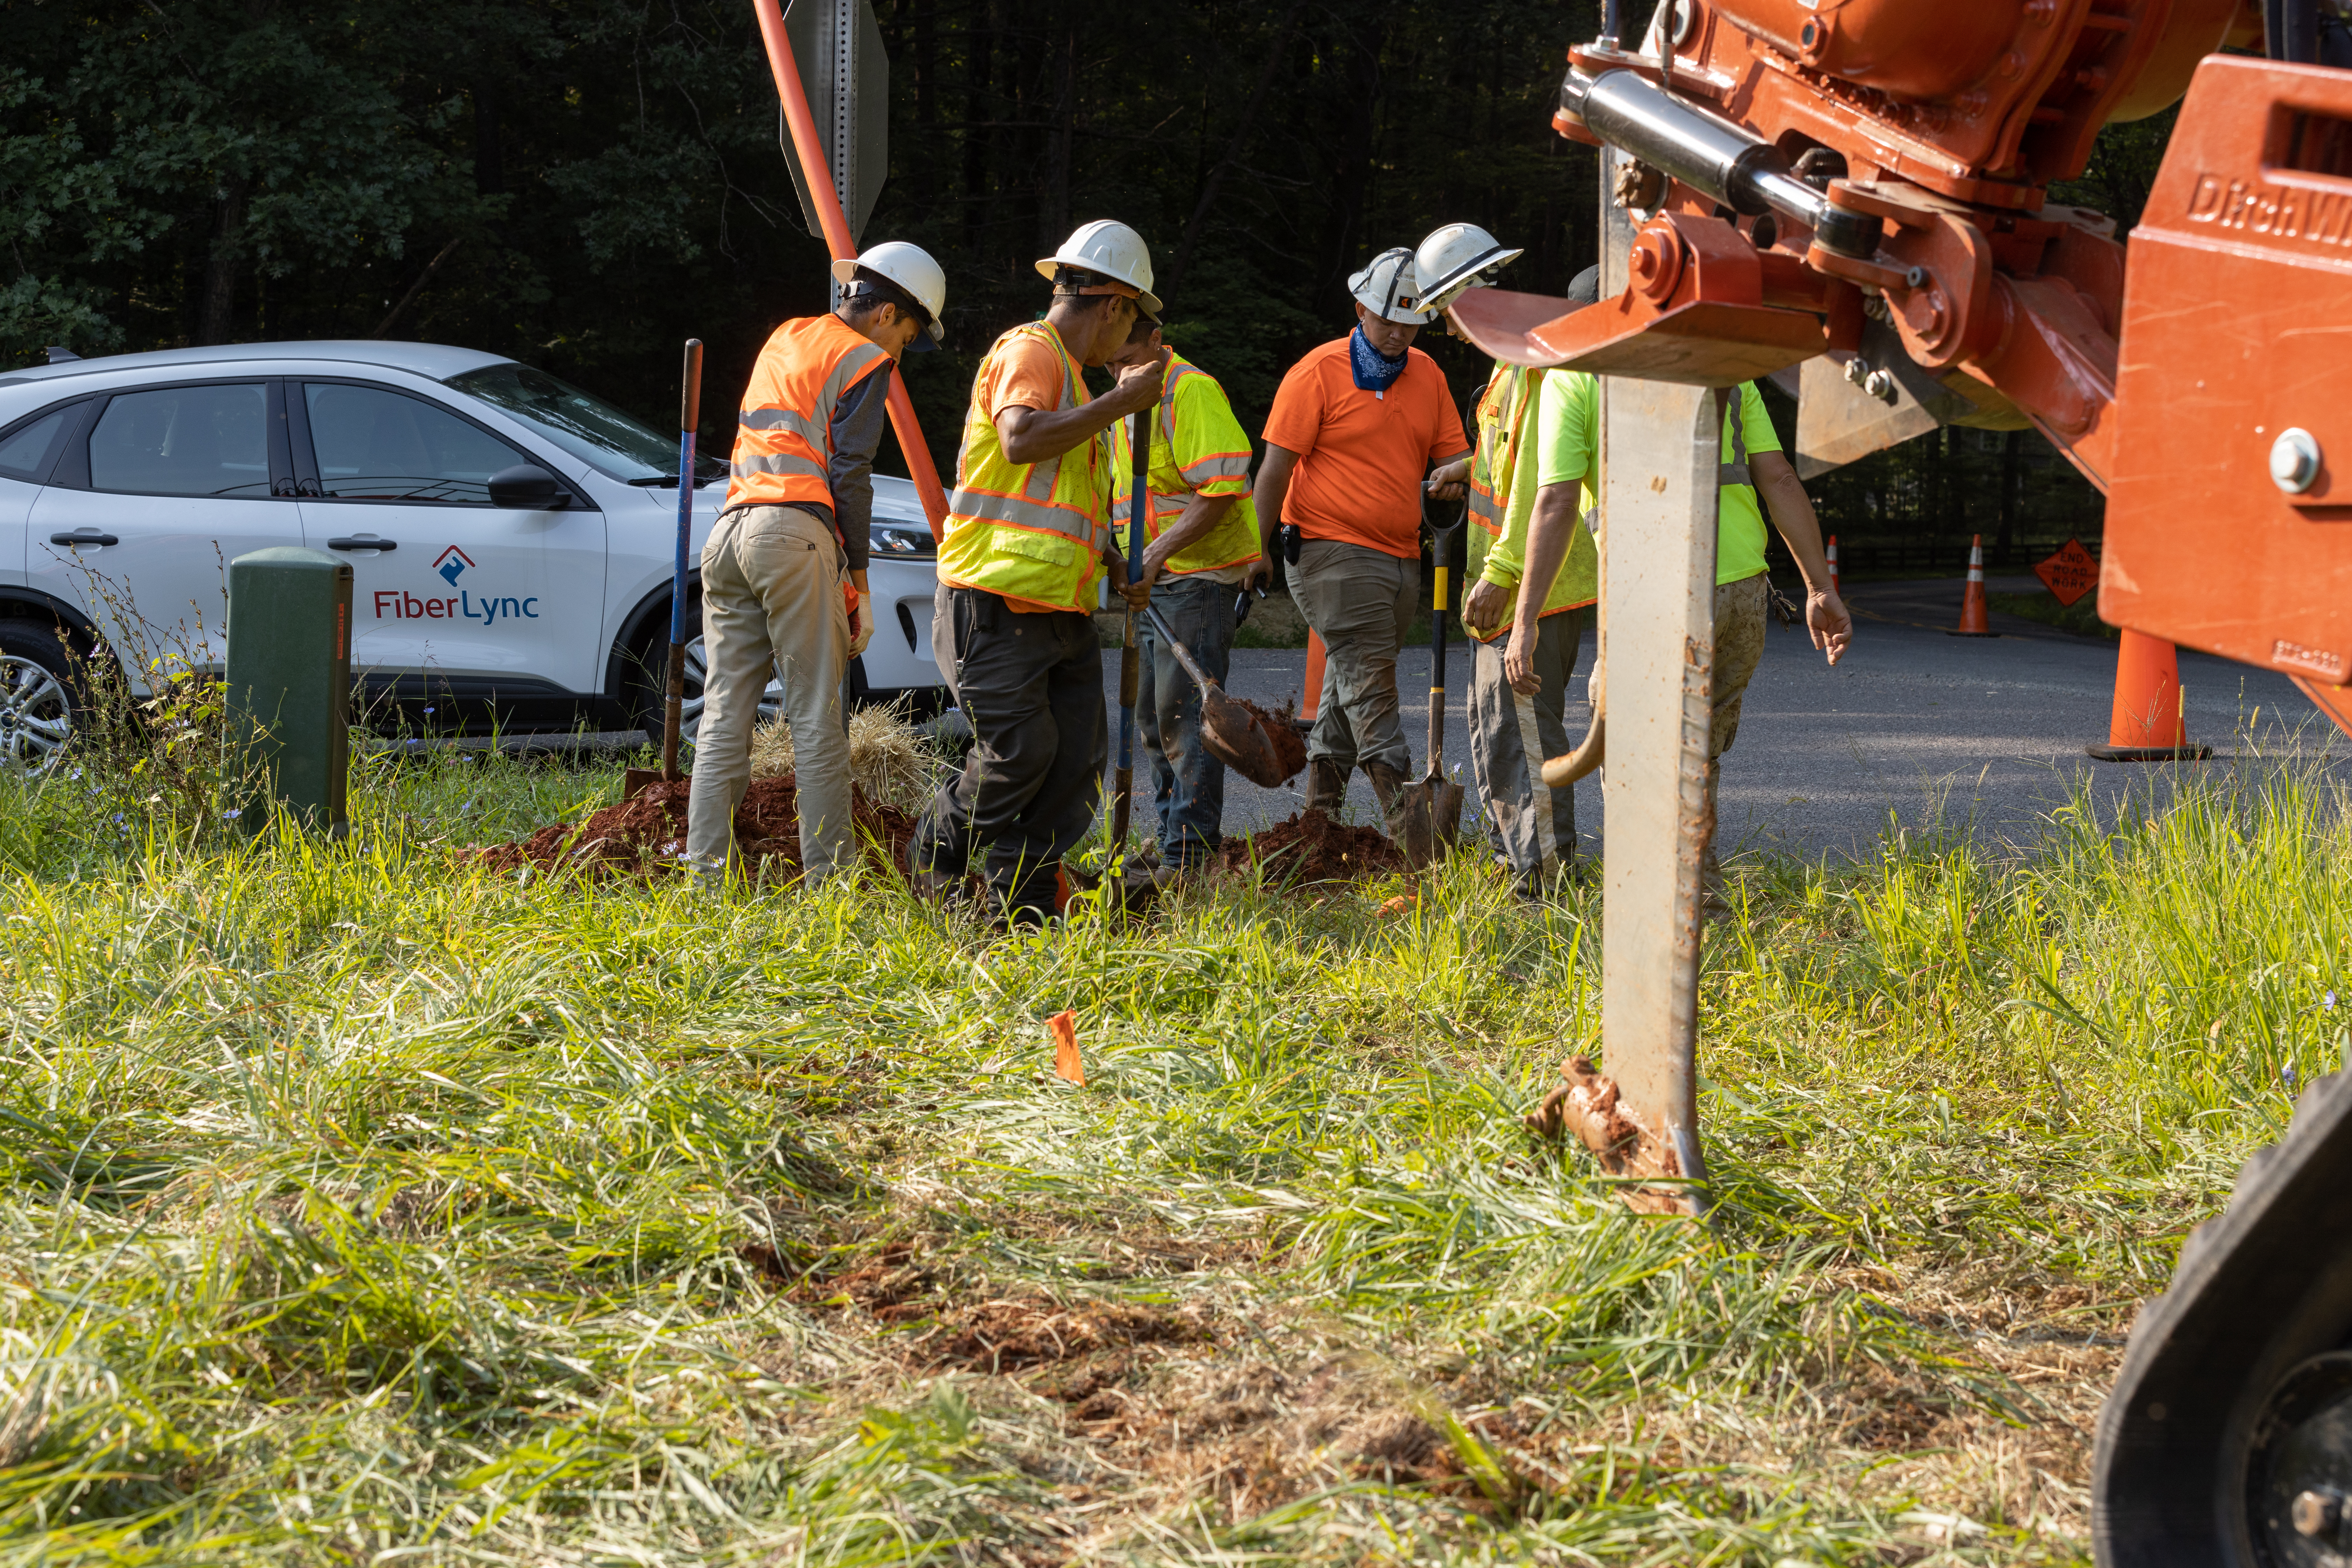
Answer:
(890, 539)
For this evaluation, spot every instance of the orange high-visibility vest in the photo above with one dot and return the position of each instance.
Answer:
(784, 440)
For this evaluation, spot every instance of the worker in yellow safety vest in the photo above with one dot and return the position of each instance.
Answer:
(1753, 477)
(1028, 537)
(1203, 547)
(1512, 732)
(783, 572)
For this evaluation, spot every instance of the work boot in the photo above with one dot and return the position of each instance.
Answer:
(1327, 786)
(1388, 785)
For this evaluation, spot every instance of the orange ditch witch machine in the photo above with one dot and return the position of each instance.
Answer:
(1853, 193)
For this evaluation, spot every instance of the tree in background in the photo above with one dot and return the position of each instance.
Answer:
(582, 183)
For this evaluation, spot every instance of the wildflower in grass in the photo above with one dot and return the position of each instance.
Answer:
(2328, 1002)
(231, 813)
(2286, 1076)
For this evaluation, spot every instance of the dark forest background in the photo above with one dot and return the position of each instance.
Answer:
(585, 184)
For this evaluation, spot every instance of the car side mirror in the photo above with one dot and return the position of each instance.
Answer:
(526, 486)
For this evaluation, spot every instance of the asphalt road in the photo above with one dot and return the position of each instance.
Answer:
(1913, 727)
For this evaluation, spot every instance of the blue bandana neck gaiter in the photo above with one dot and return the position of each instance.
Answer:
(1375, 372)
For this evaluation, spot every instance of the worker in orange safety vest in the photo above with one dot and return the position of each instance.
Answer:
(783, 572)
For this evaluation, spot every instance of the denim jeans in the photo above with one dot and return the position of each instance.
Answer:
(1190, 782)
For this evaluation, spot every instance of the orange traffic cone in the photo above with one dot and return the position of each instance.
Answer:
(1833, 576)
(2150, 720)
(1972, 601)
(1312, 700)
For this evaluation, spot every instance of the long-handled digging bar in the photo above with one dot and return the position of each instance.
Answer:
(689, 415)
(1234, 733)
(1432, 811)
(1129, 666)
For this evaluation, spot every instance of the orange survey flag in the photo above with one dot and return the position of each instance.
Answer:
(1063, 1027)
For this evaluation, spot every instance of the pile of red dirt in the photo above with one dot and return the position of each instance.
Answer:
(635, 837)
(1312, 847)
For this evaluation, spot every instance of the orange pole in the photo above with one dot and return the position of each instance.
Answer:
(835, 224)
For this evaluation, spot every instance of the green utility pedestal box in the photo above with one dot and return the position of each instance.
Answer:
(289, 682)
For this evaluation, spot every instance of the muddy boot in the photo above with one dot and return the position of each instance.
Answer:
(1327, 786)
(1388, 787)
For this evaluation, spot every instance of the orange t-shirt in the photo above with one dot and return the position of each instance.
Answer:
(1022, 374)
(1363, 455)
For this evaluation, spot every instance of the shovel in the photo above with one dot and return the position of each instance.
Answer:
(1432, 809)
(1233, 733)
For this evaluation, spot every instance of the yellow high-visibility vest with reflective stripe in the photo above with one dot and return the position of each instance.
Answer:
(1031, 531)
(1503, 498)
(784, 437)
(1198, 447)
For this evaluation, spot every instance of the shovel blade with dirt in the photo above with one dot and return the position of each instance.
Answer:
(1262, 750)
(1430, 812)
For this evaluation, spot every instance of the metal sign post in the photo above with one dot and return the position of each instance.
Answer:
(837, 44)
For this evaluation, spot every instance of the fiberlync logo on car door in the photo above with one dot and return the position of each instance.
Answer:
(398, 604)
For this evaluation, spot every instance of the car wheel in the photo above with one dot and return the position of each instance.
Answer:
(652, 666)
(38, 705)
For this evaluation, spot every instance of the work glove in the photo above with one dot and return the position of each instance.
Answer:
(861, 625)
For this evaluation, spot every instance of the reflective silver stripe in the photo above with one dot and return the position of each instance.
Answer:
(1734, 472)
(1027, 513)
(846, 375)
(777, 463)
(785, 420)
(1483, 506)
(1221, 466)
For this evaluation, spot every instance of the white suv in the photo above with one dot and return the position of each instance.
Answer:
(510, 537)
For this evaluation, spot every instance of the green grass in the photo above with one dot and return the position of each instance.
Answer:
(364, 1207)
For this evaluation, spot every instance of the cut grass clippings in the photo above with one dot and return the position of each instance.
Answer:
(365, 1205)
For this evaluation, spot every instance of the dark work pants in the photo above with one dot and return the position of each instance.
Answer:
(1192, 784)
(1032, 688)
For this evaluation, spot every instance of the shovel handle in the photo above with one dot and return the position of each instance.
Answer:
(1442, 548)
(1183, 655)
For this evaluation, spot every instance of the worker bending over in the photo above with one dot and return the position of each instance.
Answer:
(1204, 544)
(1355, 426)
(783, 572)
(1512, 732)
(1750, 464)
(1027, 534)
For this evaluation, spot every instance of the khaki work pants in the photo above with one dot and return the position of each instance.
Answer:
(771, 600)
(1359, 601)
(1511, 737)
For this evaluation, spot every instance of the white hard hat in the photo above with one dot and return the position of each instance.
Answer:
(1112, 249)
(1388, 289)
(1455, 259)
(910, 267)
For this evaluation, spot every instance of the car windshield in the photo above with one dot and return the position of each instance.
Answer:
(587, 427)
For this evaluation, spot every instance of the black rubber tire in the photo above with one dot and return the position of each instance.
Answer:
(2260, 1289)
(44, 645)
(647, 667)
